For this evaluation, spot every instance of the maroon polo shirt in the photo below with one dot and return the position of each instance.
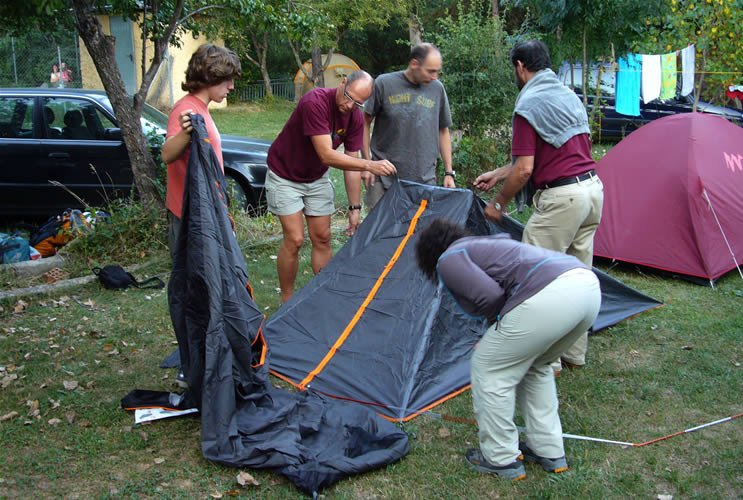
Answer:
(292, 155)
(551, 163)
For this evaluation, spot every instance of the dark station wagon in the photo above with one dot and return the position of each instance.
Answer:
(615, 126)
(70, 137)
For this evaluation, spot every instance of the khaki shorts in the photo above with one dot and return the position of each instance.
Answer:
(286, 197)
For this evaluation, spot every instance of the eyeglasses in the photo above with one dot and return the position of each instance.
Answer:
(356, 103)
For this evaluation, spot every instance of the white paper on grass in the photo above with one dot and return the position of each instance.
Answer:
(150, 414)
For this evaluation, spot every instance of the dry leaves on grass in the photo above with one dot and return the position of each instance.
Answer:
(33, 408)
(159, 460)
(54, 422)
(8, 416)
(8, 379)
(245, 479)
(444, 432)
(70, 385)
(20, 306)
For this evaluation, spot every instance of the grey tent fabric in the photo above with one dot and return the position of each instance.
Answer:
(245, 422)
(402, 346)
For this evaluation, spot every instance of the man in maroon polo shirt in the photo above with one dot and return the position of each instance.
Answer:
(298, 186)
(551, 147)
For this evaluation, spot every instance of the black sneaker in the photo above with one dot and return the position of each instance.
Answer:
(555, 465)
(513, 471)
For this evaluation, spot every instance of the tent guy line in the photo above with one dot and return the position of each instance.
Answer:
(724, 236)
(470, 421)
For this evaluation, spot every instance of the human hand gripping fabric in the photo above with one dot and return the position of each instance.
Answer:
(486, 181)
(354, 220)
(381, 167)
(493, 213)
(368, 178)
(185, 120)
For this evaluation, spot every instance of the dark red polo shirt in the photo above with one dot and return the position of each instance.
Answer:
(292, 155)
(551, 163)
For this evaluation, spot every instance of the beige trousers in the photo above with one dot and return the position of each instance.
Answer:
(511, 365)
(565, 219)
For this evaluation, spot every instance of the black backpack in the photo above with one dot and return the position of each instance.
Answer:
(116, 277)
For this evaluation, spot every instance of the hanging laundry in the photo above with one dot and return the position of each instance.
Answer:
(628, 85)
(668, 72)
(735, 92)
(687, 70)
(651, 79)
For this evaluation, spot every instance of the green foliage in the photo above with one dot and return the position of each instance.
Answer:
(478, 75)
(607, 24)
(479, 82)
(473, 155)
(26, 59)
(714, 26)
(133, 233)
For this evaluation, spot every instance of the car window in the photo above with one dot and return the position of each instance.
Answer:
(75, 119)
(16, 117)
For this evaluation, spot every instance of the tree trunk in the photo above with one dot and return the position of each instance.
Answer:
(494, 4)
(261, 49)
(698, 89)
(101, 48)
(584, 72)
(596, 111)
(318, 75)
(300, 64)
(414, 30)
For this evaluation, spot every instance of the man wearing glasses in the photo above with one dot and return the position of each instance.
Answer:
(298, 187)
(411, 118)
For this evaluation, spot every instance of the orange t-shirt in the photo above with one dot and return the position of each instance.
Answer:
(177, 169)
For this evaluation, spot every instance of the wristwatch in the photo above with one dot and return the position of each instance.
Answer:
(453, 174)
(497, 206)
(354, 207)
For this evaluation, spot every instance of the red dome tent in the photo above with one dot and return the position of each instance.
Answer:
(674, 197)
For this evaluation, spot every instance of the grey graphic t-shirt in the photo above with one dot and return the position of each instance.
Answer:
(407, 121)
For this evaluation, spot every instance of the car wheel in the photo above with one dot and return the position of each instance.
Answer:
(240, 195)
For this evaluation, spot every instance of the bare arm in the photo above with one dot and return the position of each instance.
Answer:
(516, 180)
(323, 145)
(445, 151)
(352, 180)
(486, 181)
(366, 177)
(176, 144)
(366, 151)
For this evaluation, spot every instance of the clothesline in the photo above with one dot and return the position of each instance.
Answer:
(655, 75)
(695, 72)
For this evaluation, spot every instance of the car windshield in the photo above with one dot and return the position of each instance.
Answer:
(153, 120)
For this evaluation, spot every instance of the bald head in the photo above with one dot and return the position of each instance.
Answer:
(354, 90)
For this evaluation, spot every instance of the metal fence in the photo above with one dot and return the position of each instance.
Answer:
(255, 91)
(40, 59)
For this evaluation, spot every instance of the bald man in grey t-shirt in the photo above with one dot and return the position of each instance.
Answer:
(411, 118)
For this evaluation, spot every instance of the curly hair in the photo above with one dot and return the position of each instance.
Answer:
(433, 241)
(210, 65)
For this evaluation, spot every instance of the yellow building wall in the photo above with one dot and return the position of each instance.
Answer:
(166, 86)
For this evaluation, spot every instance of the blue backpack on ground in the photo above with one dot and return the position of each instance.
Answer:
(13, 249)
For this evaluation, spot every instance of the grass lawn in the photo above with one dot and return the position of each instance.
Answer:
(260, 120)
(67, 359)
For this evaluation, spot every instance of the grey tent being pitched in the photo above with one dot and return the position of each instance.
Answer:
(245, 422)
(370, 328)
